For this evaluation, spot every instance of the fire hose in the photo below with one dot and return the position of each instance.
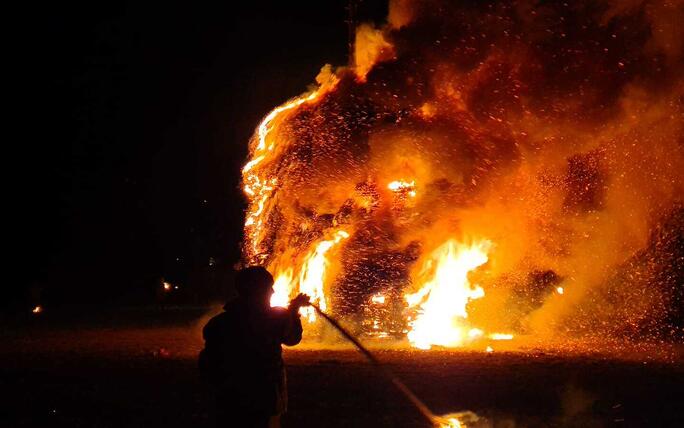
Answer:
(422, 407)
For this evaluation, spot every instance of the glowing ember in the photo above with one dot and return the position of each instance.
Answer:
(560, 290)
(443, 298)
(489, 349)
(378, 299)
(38, 309)
(403, 187)
(458, 420)
(166, 286)
(500, 336)
(451, 423)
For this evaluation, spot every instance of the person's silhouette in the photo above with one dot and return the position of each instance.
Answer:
(242, 357)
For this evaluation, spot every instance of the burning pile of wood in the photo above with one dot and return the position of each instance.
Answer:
(484, 167)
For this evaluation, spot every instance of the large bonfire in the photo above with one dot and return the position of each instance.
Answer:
(483, 167)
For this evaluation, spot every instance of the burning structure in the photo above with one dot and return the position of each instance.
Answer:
(484, 167)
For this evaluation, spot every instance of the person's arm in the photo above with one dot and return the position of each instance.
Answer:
(293, 328)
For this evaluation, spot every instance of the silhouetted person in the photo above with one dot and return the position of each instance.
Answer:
(242, 357)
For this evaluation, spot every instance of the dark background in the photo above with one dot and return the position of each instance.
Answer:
(133, 125)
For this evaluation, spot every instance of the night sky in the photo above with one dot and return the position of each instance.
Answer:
(134, 126)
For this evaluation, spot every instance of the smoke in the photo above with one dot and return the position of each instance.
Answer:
(369, 49)
(400, 13)
(554, 130)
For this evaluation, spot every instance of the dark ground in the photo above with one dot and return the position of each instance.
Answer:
(137, 369)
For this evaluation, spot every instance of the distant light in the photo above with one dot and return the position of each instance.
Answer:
(38, 309)
(560, 290)
(167, 286)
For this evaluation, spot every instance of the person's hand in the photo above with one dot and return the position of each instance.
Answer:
(299, 301)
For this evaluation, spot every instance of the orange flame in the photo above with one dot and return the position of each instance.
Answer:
(312, 277)
(403, 187)
(451, 423)
(445, 294)
(457, 420)
(259, 187)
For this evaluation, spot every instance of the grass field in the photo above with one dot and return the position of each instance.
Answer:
(130, 373)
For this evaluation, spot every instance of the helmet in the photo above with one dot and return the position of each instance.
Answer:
(252, 280)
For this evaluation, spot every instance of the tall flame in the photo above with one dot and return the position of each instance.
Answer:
(258, 185)
(443, 298)
(312, 277)
(282, 288)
